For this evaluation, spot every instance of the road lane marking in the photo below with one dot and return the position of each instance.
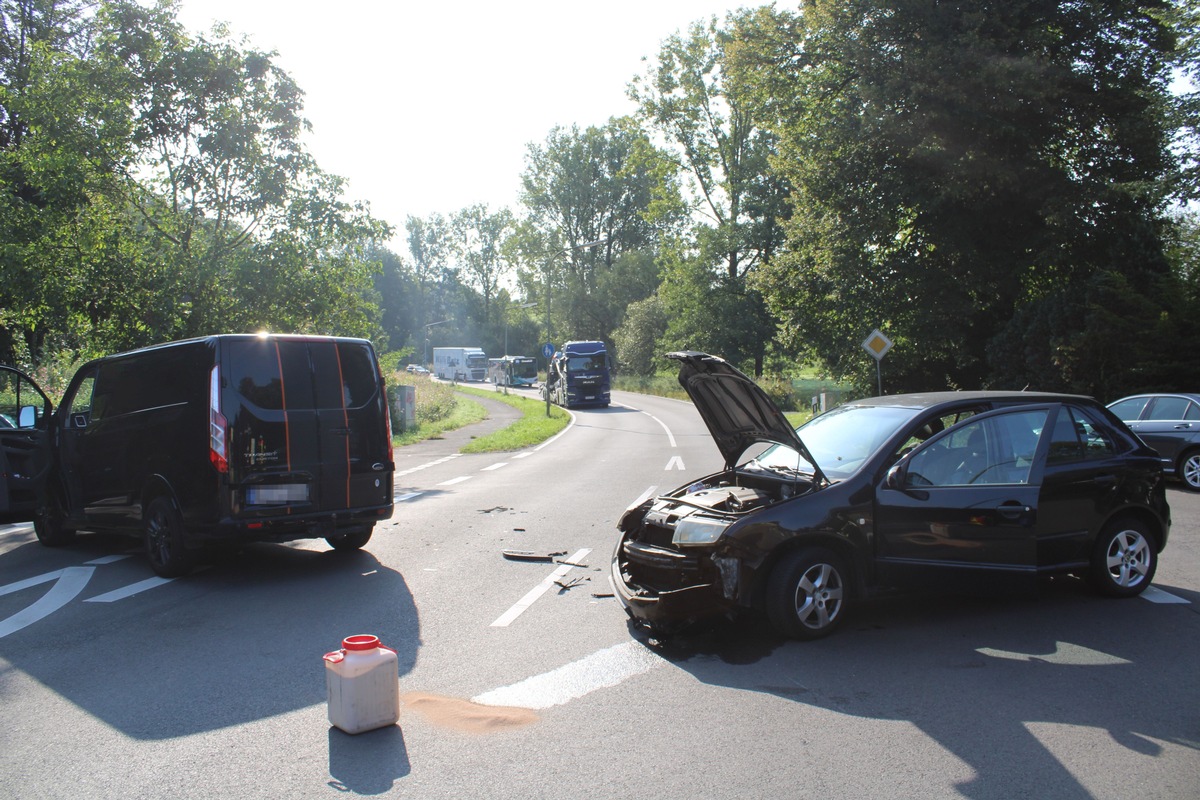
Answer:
(68, 583)
(525, 602)
(129, 591)
(1157, 595)
(670, 436)
(676, 462)
(495, 466)
(601, 670)
(97, 562)
(453, 481)
(7, 529)
(400, 498)
(420, 467)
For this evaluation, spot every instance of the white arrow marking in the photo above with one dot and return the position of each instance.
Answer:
(68, 583)
(676, 462)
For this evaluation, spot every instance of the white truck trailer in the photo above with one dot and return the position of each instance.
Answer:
(460, 363)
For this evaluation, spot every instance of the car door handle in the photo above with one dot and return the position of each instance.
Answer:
(1183, 426)
(1012, 510)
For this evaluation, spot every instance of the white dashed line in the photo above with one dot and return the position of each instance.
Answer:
(453, 481)
(495, 466)
(1157, 595)
(525, 602)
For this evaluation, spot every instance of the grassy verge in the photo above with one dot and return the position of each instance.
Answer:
(465, 412)
(534, 427)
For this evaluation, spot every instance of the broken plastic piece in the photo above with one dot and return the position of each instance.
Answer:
(527, 555)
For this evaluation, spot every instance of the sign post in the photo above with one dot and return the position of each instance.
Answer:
(877, 345)
(547, 353)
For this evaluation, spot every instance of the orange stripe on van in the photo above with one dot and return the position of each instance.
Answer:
(287, 432)
(337, 354)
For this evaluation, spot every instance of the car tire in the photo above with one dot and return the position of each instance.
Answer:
(164, 540)
(1188, 470)
(50, 522)
(1124, 559)
(354, 540)
(808, 594)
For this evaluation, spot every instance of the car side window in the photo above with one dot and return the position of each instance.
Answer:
(1129, 409)
(17, 395)
(1076, 438)
(996, 449)
(1169, 408)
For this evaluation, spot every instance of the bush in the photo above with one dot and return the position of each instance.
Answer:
(435, 401)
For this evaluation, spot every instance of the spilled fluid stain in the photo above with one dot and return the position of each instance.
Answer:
(465, 716)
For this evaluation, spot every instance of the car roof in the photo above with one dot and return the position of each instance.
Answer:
(929, 400)
(1189, 395)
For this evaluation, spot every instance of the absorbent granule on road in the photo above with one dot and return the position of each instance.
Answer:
(463, 715)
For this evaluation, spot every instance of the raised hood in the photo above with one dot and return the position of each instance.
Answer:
(737, 412)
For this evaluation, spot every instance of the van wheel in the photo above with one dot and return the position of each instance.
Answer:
(164, 540)
(354, 540)
(50, 522)
(807, 594)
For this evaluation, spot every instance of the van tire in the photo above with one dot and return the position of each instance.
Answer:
(50, 522)
(165, 547)
(354, 540)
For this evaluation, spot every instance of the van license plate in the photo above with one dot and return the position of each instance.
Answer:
(276, 494)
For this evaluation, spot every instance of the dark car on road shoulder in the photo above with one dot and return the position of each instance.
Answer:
(933, 490)
(1170, 423)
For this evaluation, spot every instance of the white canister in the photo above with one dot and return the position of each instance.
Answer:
(363, 684)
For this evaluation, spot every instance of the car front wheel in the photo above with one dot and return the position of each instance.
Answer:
(1124, 559)
(807, 594)
(1189, 470)
(165, 548)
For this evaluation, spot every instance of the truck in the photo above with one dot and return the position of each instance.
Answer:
(578, 375)
(460, 363)
(512, 371)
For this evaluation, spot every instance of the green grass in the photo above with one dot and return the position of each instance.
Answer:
(466, 411)
(534, 427)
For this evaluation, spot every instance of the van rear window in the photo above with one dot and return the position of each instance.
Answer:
(299, 375)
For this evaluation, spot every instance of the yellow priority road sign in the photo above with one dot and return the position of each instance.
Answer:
(877, 344)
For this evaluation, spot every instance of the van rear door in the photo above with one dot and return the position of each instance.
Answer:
(308, 425)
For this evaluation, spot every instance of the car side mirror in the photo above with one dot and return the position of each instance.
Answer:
(895, 477)
(27, 417)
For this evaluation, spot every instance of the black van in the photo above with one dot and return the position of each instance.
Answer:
(221, 439)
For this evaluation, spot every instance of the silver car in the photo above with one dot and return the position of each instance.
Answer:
(1170, 423)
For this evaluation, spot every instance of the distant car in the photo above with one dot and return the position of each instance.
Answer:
(417, 369)
(1170, 423)
(925, 490)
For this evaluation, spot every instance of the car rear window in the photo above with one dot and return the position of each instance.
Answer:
(301, 375)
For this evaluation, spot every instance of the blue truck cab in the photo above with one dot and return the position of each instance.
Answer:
(579, 375)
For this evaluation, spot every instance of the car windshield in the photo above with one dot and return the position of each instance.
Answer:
(840, 440)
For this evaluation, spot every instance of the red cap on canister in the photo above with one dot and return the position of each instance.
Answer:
(363, 641)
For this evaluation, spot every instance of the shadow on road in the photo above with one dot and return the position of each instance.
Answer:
(237, 642)
(979, 674)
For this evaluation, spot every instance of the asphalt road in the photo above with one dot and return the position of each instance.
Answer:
(521, 679)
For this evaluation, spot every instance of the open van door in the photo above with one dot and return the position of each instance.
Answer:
(24, 444)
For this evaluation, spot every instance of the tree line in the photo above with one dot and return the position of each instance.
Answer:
(1002, 189)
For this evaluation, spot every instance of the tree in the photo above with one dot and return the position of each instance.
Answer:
(608, 185)
(719, 142)
(954, 164)
(478, 244)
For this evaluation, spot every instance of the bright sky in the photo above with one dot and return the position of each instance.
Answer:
(428, 106)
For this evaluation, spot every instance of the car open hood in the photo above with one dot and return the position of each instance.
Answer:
(737, 412)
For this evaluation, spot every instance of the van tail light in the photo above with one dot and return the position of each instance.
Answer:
(218, 426)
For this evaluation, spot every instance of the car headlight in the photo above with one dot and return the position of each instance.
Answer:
(698, 530)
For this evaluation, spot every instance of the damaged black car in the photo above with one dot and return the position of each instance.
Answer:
(933, 491)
